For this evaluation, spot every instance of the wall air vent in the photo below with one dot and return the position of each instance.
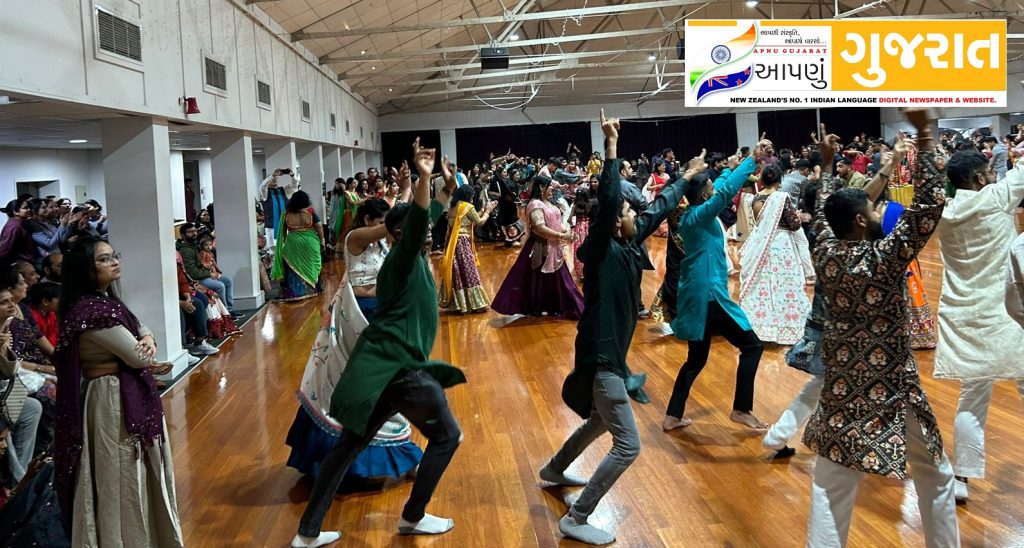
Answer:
(216, 74)
(119, 36)
(263, 93)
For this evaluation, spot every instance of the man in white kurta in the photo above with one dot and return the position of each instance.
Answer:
(1015, 281)
(979, 343)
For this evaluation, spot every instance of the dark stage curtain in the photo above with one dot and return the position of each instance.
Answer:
(849, 122)
(787, 128)
(397, 146)
(684, 135)
(536, 141)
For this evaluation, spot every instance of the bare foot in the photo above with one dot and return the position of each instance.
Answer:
(671, 423)
(748, 419)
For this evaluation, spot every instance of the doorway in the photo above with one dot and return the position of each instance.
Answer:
(193, 190)
(38, 189)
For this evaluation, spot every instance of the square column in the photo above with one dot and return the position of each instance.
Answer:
(348, 163)
(332, 166)
(1000, 125)
(449, 146)
(136, 160)
(746, 130)
(311, 164)
(359, 161)
(235, 193)
(280, 154)
(596, 139)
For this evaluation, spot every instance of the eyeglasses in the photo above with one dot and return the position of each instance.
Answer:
(109, 260)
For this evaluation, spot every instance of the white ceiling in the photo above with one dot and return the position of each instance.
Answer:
(41, 124)
(424, 67)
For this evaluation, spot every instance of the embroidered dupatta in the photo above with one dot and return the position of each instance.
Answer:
(448, 262)
(754, 253)
(141, 408)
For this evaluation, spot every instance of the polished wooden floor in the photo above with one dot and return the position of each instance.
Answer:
(708, 485)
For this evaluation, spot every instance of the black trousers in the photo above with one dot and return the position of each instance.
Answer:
(670, 285)
(439, 233)
(421, 399)
(719, 322)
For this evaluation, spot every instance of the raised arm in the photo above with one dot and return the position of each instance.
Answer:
(1011, 187)
(876, 186)
(360, 238)
(919, 220)
(726, 187)
(416, 225)
(609, 193)
(669, 198)
(265, 185)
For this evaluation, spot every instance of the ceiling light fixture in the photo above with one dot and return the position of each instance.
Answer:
(78, 141)
(514, 36)
(373, 68)
(751, 3)
(652, 57)
(389, 89)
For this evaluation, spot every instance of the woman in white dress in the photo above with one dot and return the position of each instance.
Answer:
(771, 275)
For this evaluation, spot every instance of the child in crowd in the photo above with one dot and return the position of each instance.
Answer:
(220, 324)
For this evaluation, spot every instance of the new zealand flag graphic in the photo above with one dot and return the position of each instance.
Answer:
(724, 82)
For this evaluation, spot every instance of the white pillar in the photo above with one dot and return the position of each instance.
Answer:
(348, 163)
(332, 165)
(136, 160)
(746, 130)
(311, 164)
(449, 146)
(235, 195)
(1000, 125)
(177, 177)
(596, 138)
(280, 153)
(359, 160)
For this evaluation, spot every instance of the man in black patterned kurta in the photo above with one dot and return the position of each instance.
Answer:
(873, 416)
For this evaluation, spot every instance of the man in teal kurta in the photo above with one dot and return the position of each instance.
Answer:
(390, 372)
(704, 306)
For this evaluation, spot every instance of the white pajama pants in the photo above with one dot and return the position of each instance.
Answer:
(803, 248)
(834, 491)
(795, 415)
(969, 427)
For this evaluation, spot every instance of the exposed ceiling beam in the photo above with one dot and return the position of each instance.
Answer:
(521, 60)
(402, 55)
(541, 82)
(507, 73)
(508, 17)
(964, 15)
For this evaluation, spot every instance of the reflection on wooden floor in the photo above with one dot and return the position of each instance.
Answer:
(708, 485)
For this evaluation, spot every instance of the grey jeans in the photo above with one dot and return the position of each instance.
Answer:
(611, 413)
(23, 436)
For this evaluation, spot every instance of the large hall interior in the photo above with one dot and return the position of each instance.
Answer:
(445, 272)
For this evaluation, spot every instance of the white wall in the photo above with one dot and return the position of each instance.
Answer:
(69, 167)
(50, 52)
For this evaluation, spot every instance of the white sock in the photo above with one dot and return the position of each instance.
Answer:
(429, 525)
(325, 538)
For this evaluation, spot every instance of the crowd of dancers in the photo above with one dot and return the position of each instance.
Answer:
(370, 377)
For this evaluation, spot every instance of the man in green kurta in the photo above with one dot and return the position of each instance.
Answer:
(390, 372)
